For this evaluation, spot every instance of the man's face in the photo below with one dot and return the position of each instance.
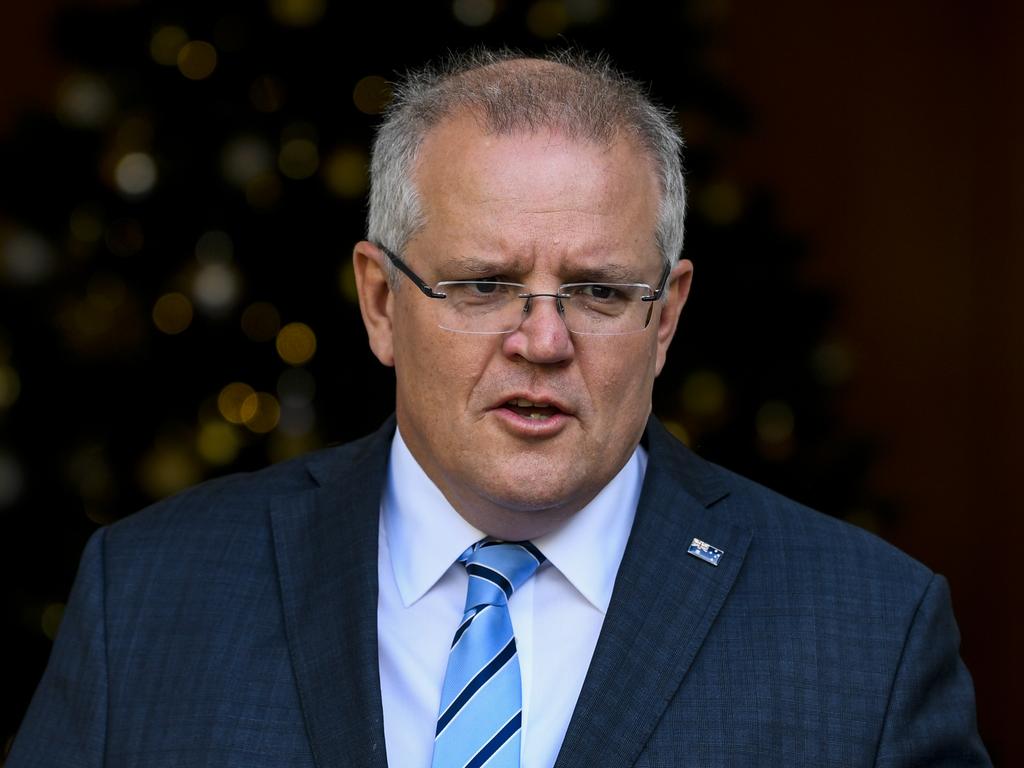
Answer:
(543, 210)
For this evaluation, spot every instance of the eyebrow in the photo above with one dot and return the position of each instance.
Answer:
(602, 273)
(612, 272)
(478, 266)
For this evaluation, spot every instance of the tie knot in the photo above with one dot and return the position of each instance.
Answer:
(498, 568)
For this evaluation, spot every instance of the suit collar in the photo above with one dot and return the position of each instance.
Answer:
(662, 608)
(325, 542)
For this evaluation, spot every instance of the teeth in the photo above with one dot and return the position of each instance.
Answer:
(520, 402)
(539, 416)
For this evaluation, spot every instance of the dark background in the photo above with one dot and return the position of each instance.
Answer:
(854, 337)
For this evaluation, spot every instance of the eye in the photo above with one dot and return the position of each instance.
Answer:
(598, 291)
(483, 287)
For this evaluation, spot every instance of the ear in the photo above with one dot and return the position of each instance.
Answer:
(677, 290)
(376, 301)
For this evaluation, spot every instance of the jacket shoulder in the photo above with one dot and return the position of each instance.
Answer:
(242, 499)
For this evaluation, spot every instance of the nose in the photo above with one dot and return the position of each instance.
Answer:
(541, 336)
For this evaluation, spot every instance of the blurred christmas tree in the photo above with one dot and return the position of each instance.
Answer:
(176, 299)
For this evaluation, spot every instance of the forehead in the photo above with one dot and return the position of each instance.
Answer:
(527, 191)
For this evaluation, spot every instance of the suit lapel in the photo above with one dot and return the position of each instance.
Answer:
(662, 608)
(326, 546)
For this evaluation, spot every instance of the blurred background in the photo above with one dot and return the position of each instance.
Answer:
(181, 185)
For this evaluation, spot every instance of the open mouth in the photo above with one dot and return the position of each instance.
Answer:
(531, 410)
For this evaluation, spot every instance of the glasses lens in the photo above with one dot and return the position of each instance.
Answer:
(480, 307)
(599, 309)
(606, 309)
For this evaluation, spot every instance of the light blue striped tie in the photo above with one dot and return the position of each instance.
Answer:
(482, 700)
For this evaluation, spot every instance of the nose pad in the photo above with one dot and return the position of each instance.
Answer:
(529, 311)
(529, 303)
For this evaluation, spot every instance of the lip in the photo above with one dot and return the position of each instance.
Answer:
(524, 426)
(534, 397)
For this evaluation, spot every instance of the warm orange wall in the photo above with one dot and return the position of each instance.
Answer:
(894, 135)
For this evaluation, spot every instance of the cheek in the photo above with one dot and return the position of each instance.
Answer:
(436, 370)
(624, 393)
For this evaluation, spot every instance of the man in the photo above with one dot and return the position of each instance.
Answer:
(522, 568)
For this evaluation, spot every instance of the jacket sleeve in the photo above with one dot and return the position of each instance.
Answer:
(930, 720)
(66, 722)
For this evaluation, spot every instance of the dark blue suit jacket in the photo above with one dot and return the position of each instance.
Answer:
(235, 625)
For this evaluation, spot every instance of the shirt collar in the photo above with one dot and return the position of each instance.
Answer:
(426, 535)
(588, 548)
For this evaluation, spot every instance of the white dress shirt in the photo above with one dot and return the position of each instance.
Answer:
(556, 615)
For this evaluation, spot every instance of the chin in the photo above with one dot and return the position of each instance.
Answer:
(534, 493)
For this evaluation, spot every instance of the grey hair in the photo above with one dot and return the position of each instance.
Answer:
(577, 94)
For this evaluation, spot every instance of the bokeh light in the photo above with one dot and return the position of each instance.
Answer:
(10, 386)
(298, 13)
(197, 60)
(473, 13)
(168, 467)
(230, 400)
(297, 387)
(296, 343)
(678, 430)
(135, 174)
(347, 282)
(347, 172)
(49, 622)
(774, 423)
(372, 94)
(297, 420)
(85, 100)
(244, 158)
(166, 43)
(299, 158)
(864, 518)
(26, 257)
(721, 202)
(216, 288)
(703, 394)
(832, 362)
(260, 412)
(172, 313)
(282, 446)
(261, 321)
(547, 18)
(218, 443)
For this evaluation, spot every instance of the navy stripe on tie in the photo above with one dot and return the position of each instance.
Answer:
(490, 574)
(476, 611)
(527, 545)
(476, 684)
(537, 554)
(497, 741)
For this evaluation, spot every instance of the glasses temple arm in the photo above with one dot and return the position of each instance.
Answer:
(416, 279)
(661, 286)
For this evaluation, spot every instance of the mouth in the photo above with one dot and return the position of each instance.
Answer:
(536, 411)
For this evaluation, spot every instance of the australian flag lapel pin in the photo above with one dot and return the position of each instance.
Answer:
(704, 551)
